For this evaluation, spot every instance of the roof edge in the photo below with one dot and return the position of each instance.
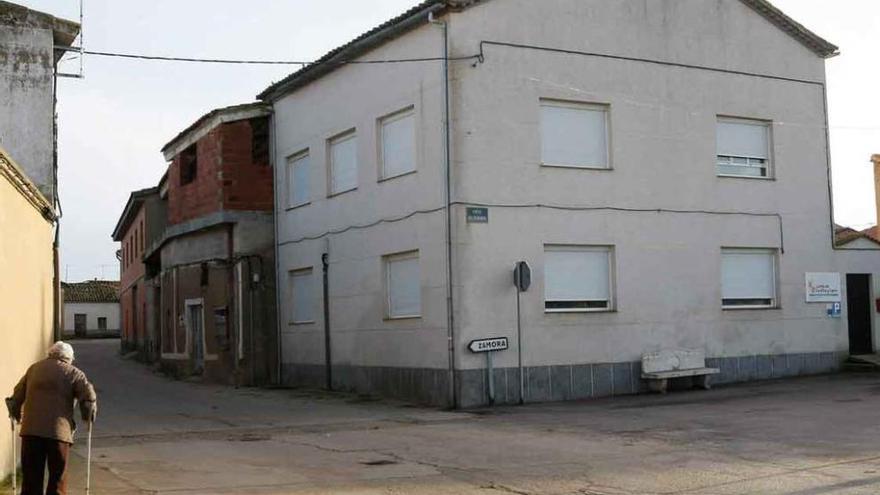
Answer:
(368, 41)
(212, 119)
(819, 45)
(135, 198)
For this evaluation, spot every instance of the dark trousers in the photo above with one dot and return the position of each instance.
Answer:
(37, 453)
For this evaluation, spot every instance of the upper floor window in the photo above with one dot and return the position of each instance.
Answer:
(188, 164)
(577, 278)
(574, 134)
(743, 148)
(398, 139)
(343, 163)
(403, 285)
(260, 141)
(748, 278)
(298, 179)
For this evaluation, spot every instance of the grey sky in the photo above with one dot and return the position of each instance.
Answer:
(113, 122)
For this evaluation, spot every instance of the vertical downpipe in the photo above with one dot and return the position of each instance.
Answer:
(328, 360)
(450, 305)
(279, 349)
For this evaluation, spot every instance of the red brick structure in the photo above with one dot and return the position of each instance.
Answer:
(212, 269)
(138, 226)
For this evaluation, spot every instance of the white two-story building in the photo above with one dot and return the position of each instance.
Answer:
(661, 165)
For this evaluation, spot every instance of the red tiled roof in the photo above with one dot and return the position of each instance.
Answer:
(92, 291)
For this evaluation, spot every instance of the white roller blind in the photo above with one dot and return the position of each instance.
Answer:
(398, 145)
(298, 177)
(744, 139)
(747, 274)
(343, 164)
(576, 274)
(404, 286)
(302, 287)
(573, 135)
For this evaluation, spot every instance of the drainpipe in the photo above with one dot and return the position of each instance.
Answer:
(279, 348)
(450, 306)
(56, 269)
(328, 361)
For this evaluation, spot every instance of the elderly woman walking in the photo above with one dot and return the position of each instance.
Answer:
(43, 401)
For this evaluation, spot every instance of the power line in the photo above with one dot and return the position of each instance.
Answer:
(136, 56)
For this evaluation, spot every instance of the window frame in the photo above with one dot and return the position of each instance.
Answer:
(609, 250)
(387, 260)
(333, 141)
(291, 276)
(392, 117)
(769, 162)
(189, 164)
(289, 175)
(605, 108)
(774, 257)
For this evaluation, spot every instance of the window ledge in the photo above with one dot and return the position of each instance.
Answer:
(392, 177)
(340, 193)
(296, 207)
(750, 308)
(402, 318)
(578, 167)
(729, 176)
(577, 311)
(300, 323)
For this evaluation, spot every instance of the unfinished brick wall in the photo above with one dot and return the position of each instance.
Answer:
(232, 173)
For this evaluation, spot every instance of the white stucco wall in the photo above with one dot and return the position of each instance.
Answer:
(93, 311)
(662, 135)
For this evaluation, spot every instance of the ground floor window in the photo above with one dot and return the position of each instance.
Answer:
(577, 278)
(302, 294)
(403, 293)
(102, 323)
(748, 278)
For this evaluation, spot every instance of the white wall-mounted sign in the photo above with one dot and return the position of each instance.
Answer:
(823, 287)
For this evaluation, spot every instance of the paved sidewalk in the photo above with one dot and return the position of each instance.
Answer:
(808, 436)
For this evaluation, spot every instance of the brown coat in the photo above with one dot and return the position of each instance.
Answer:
(46, 393)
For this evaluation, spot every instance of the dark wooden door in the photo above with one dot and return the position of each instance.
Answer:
(79, 325)
(858, 305)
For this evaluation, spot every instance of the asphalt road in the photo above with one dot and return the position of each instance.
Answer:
(809, 436)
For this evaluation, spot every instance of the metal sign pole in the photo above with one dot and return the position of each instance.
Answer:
(522, 382)
(491, 378)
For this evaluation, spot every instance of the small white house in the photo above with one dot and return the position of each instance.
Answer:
(91, 308)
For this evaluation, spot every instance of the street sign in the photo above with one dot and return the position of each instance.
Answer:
(477, 215)
(522, 276)
(488, 345)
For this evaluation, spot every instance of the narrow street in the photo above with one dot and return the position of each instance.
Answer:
(798, 437)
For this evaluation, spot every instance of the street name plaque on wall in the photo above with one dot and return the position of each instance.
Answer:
(477, 215)
(488, 345)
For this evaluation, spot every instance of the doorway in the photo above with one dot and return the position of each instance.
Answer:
(858, 306)
(196, 323)
(79, 325)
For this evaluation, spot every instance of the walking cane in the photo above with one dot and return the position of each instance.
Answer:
(89, 460)
(14, 459)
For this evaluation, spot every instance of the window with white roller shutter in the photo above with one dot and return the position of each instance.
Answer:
(748, 278)
(574, 134)
(578, 278)
(403, 285)
(302, 292)
(743, 148)
(343, 163)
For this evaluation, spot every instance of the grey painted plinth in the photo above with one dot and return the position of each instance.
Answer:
(545, 383)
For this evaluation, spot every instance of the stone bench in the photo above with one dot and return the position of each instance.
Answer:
(660, 367)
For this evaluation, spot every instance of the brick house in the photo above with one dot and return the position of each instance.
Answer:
(142, 220)
(212, 268)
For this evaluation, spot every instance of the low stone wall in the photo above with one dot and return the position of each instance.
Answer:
(546, 383)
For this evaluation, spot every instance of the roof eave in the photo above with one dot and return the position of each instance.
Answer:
(212, 119)
(134, 200)
(355, 49)
(819, 45)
